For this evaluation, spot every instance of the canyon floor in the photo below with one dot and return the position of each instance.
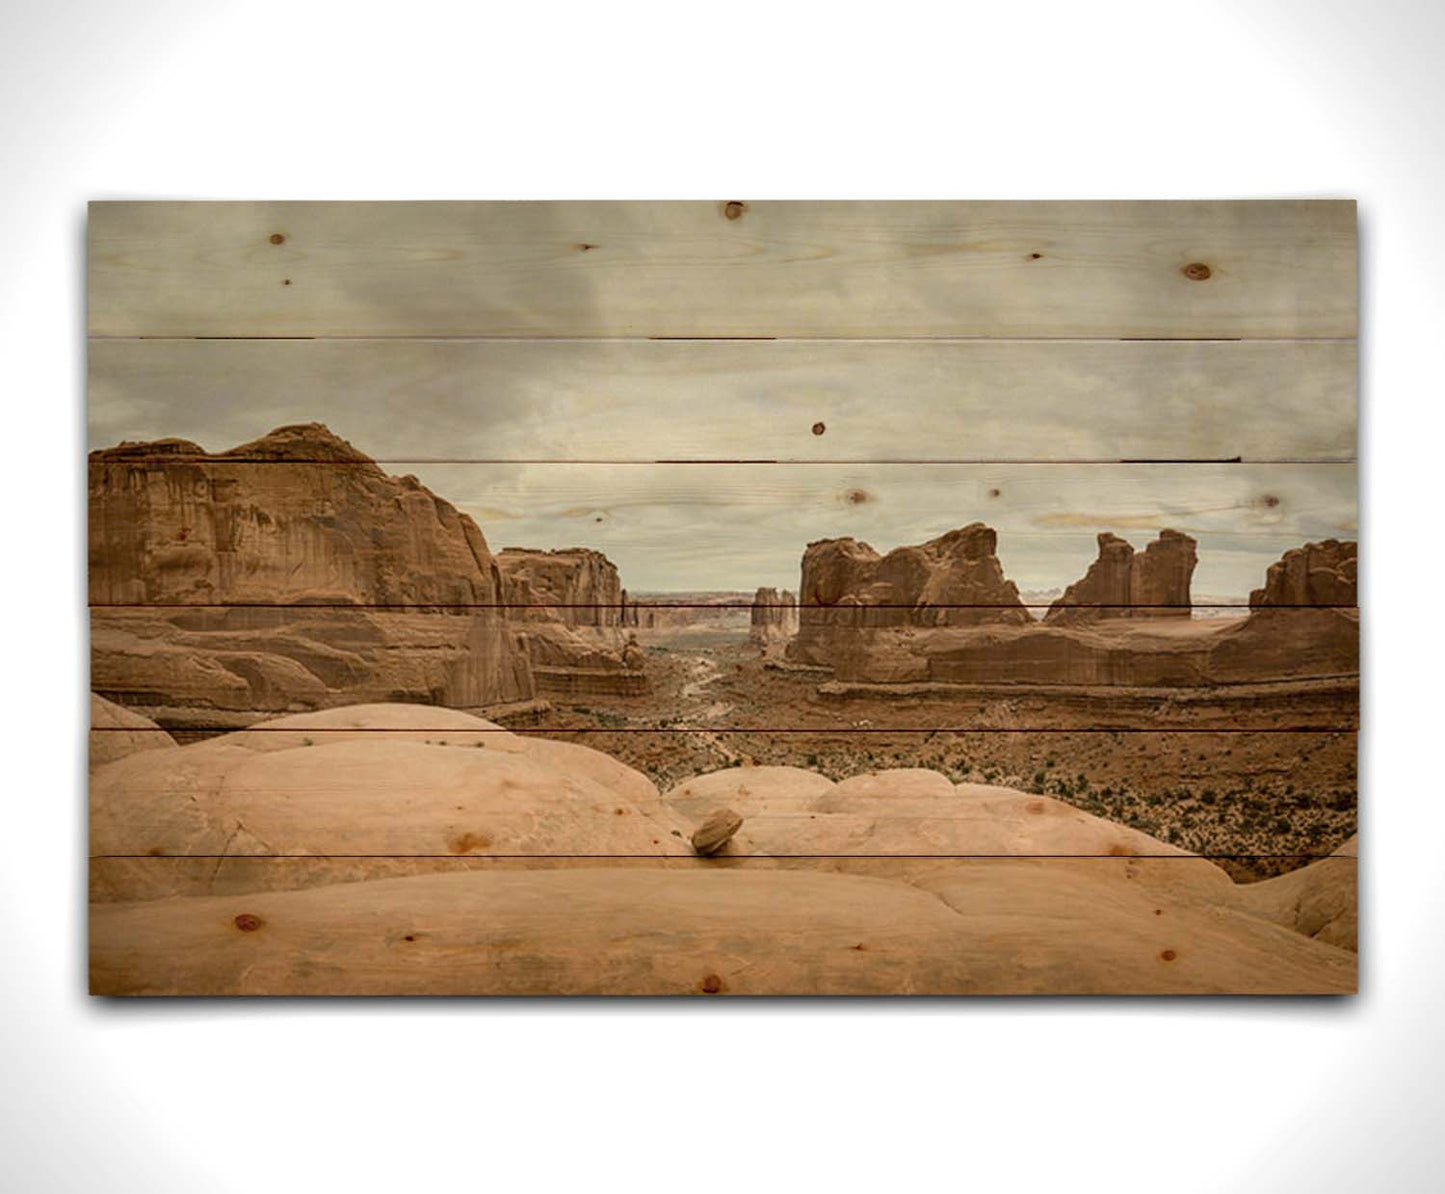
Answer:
(1261, 801)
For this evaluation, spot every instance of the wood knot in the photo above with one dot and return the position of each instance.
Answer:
(733, 209)
(248, 922)
(465, 843)
(1197, 271)
(1168, 955)
(1035, 256)
(818, 429)
(856, 497)
(278, 238)
(993, 493)
(1270, 500)
(711, 984)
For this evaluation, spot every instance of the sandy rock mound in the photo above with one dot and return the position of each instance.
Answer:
(1319, 900)
(983, 927)
(116, 732)
(912, 812)
(582, 763)
(305, 791)
(749, 791)
(868, 791)
(399, 722)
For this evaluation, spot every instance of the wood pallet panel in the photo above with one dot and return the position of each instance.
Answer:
(700, 527)
(341, 746)
(992, 926)
(408, 400)
(1174, 270)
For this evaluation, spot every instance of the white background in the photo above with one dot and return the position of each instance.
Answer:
(720, 100)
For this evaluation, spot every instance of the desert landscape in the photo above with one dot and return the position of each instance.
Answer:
(541, 626)
(449, 745)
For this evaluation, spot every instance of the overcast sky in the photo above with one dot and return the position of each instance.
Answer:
(737, 526)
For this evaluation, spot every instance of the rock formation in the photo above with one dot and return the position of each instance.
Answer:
(1123, 583)
(116, 731)
(667, 614)
(281, 557)
(572, 611)
(1303, 621)
(221, 668)
(581, 585)
(774, 617)
(954, 580)
(297, 517)
(858, 620)
(1315, 574)
(1319, 900)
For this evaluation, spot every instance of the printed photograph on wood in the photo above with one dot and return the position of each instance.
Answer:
(489, 599)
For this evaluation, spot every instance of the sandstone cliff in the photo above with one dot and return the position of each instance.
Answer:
(954, 580)
(856, 619)
(297, 517)
(572, 612)
(281, 558)
(774, 617)
(665, 615)
(581, 585)
(1304, 616)
(1123, 583)
(1315, 574)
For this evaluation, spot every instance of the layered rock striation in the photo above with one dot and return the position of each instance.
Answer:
(301, 575)
(847, 587)
(944, 614)
(580, 587)
(1315, 574)
(298, 517)
(574, 617)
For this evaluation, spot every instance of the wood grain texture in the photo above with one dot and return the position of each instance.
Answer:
(352, 796)
(643, 400)
(302, 780)
(1271, 269)
(217, 668)
(991, 926)
(725, 526)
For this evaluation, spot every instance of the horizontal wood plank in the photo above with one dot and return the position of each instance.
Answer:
(1251, 269)
(227, 668)
(880, 927)
(545, 400)
(738, 526)
(300, 789)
